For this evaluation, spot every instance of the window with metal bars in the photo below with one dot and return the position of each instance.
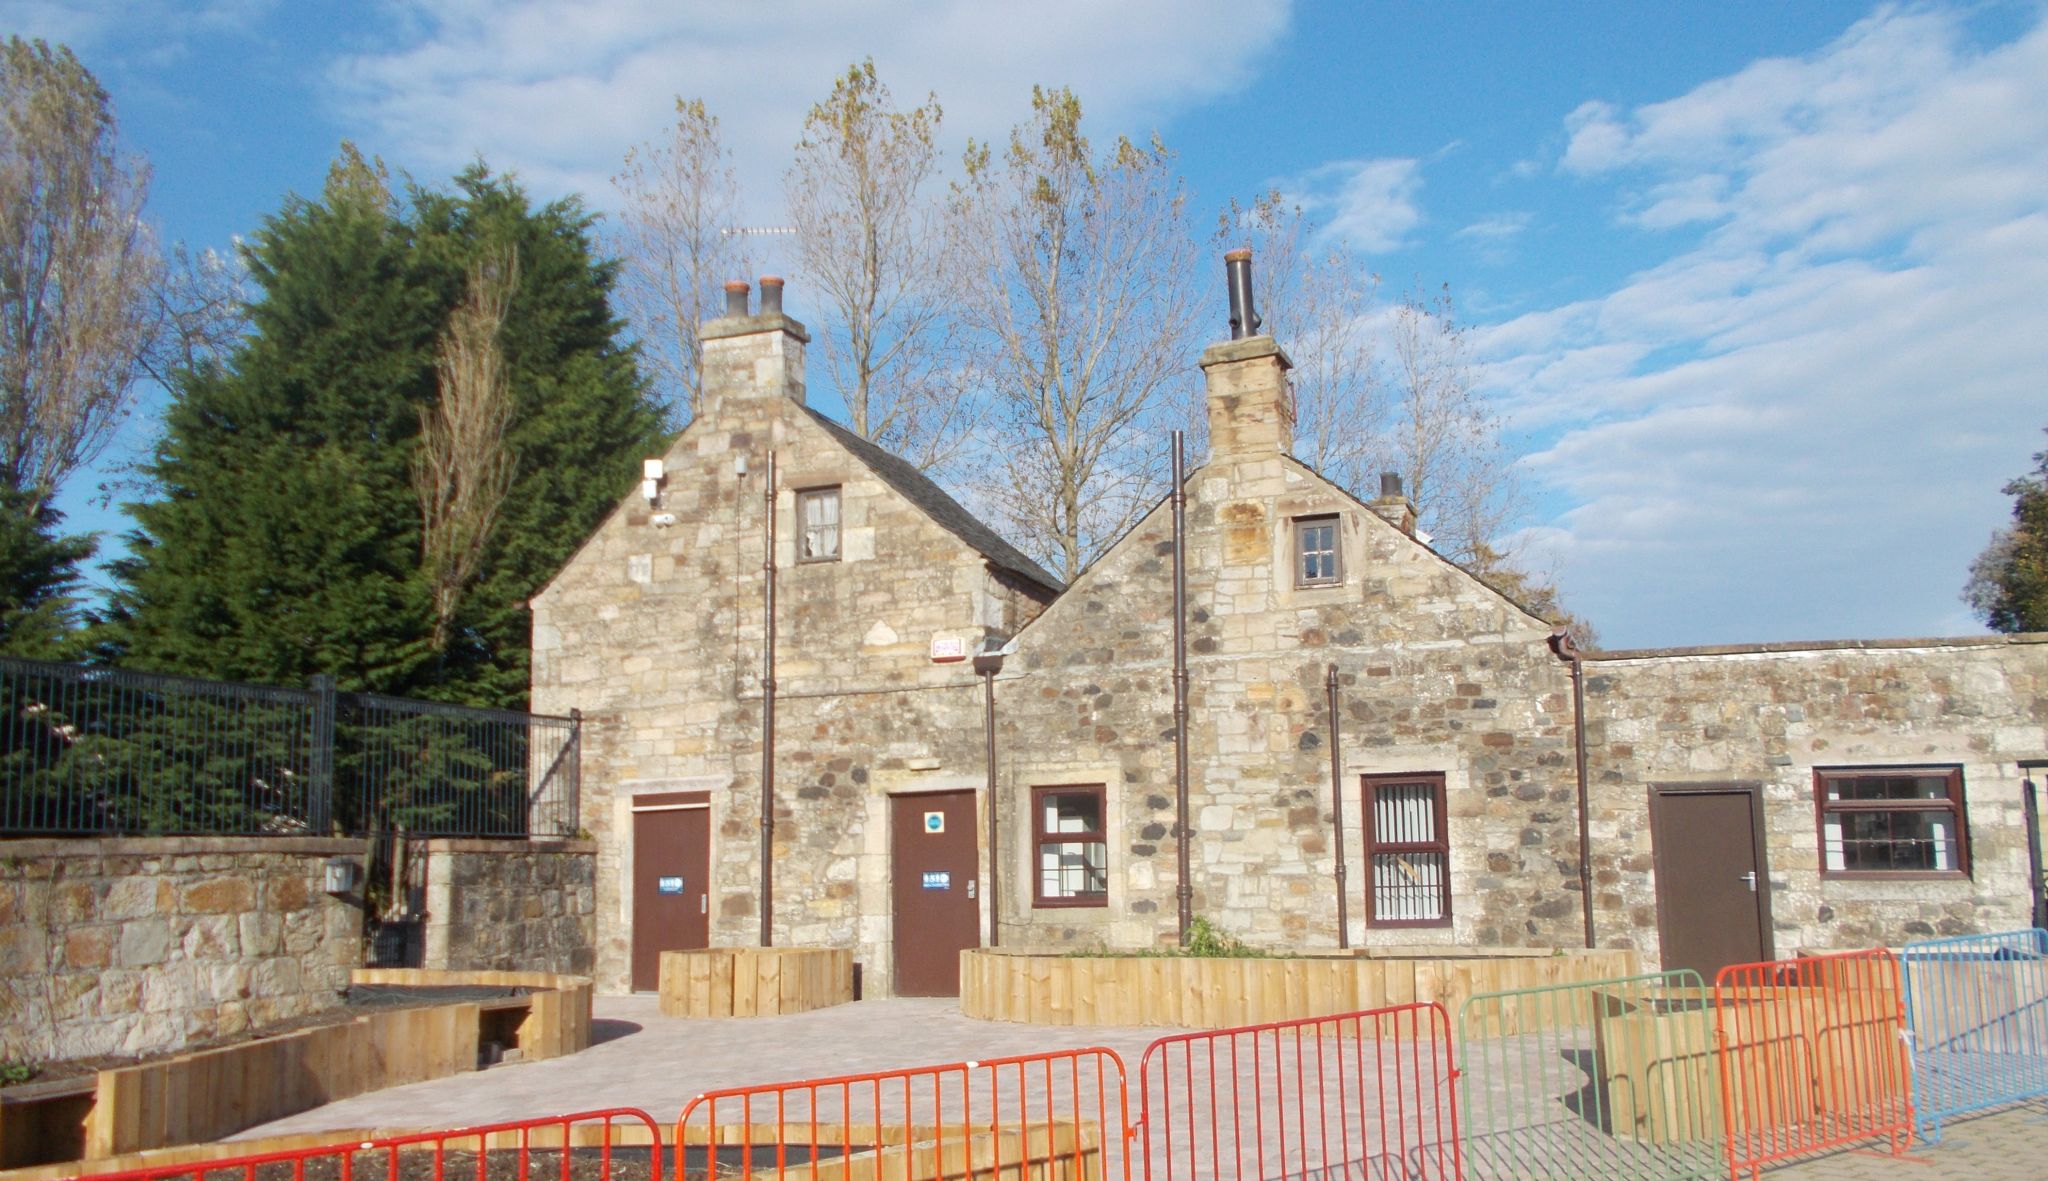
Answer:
(1073, 849)
(817, 513)
(1891, 821)
(1408, 848)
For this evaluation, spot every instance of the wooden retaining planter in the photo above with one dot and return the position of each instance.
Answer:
(754, 981)
(208, 1094)
(1051, 988)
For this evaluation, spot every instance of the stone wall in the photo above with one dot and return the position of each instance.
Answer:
(1771, 714)
(525, 906)
(1437, 674)
(655, 631)
(140, 945)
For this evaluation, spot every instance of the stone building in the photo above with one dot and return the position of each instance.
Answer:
(1859, 793)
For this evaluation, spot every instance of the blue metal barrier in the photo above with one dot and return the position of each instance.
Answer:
(1977, 1006)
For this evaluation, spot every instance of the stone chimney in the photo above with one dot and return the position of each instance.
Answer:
(1251, 408)
(1394, 505)
(751, 355)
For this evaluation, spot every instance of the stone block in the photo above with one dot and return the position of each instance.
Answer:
(219, 895)
(145, 943)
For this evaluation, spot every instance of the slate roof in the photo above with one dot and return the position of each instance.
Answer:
(934, 502)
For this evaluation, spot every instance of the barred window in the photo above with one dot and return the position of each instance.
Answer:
(1891, 821)
(1072, 846)
(1407, 844)
(817, 513)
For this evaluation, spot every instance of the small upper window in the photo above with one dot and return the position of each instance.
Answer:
(817, 514)
(1316, 561)
(1892, 820)
(1073, 849)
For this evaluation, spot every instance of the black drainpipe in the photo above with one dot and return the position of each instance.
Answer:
(1337, 816)
(1561, 644)
(988, 664)
(1185, 890)
(768, 715)
(2030, 798)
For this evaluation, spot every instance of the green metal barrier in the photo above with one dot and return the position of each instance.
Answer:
(1613, 1078)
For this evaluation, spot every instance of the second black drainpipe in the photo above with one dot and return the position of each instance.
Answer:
(1561, 644)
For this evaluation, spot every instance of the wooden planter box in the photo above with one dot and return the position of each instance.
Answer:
(208, 1094)
(754, 981)
(1049, 988)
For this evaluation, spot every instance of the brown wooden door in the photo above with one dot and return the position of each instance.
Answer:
(1713, 902)
(671, 879)
(932, 857)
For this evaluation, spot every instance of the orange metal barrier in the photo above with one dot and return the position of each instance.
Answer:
(585, 1146)
(1813, 1056)
(1365, 1095)
(1038, 1117)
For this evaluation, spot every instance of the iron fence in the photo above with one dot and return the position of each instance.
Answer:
(86, 750)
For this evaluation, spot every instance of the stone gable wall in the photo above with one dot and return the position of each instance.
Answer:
(656, 634)
(510, 906)
(1772, 717)
(126, 946)
(1437, 674)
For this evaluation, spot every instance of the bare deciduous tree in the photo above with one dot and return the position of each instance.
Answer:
(1317, 300)
(1443, 438)
(1077, 285)
(463, 467)
(77, 269)
(870, 238)
(678, 244)
(201, 311)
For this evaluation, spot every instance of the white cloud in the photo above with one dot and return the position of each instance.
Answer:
(156, 30)
(1805, 414)
(1367, 204)
(559, 89)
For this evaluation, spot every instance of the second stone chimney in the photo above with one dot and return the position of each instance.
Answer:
(1251, 407)
(1393, 505)
(749, 354)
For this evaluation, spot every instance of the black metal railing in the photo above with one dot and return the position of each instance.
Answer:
(100, 750)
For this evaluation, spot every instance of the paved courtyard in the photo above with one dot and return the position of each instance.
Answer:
(644, 1060)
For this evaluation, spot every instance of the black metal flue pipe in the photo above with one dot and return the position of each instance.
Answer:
(768, 711)
(1337, 814)
(1244, 317)
(1185, 889)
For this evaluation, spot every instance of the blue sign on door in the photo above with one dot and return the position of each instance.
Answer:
(669, 885)
(937, 879)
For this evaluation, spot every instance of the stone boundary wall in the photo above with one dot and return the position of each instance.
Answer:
(142, 945)
(527, 906)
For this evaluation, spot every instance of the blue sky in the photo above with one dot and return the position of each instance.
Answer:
(1759, 284)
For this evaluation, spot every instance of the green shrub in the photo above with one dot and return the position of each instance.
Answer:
(12, 1072)
(1206, 941)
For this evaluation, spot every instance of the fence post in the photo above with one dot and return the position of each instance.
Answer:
(320, 791)
(573, 822)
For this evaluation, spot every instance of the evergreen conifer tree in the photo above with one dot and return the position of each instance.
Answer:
(38, 580)
(285, 537)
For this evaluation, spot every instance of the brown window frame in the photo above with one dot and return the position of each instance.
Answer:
(1955, 805)
(1301, 526)
(1040, 838)
(804, 496)
(1440, 844)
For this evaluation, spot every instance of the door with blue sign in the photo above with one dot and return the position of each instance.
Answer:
(671, 869)
(936, 890)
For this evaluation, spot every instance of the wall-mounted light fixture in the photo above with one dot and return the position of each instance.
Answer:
(342, 876)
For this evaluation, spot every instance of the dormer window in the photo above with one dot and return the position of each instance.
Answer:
(817, 514)
(1316, 557)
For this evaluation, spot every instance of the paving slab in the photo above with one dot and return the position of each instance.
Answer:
(646, 1060)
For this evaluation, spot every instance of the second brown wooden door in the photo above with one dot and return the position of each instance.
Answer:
(671, 880)
(1712, 902)
(934, 888)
